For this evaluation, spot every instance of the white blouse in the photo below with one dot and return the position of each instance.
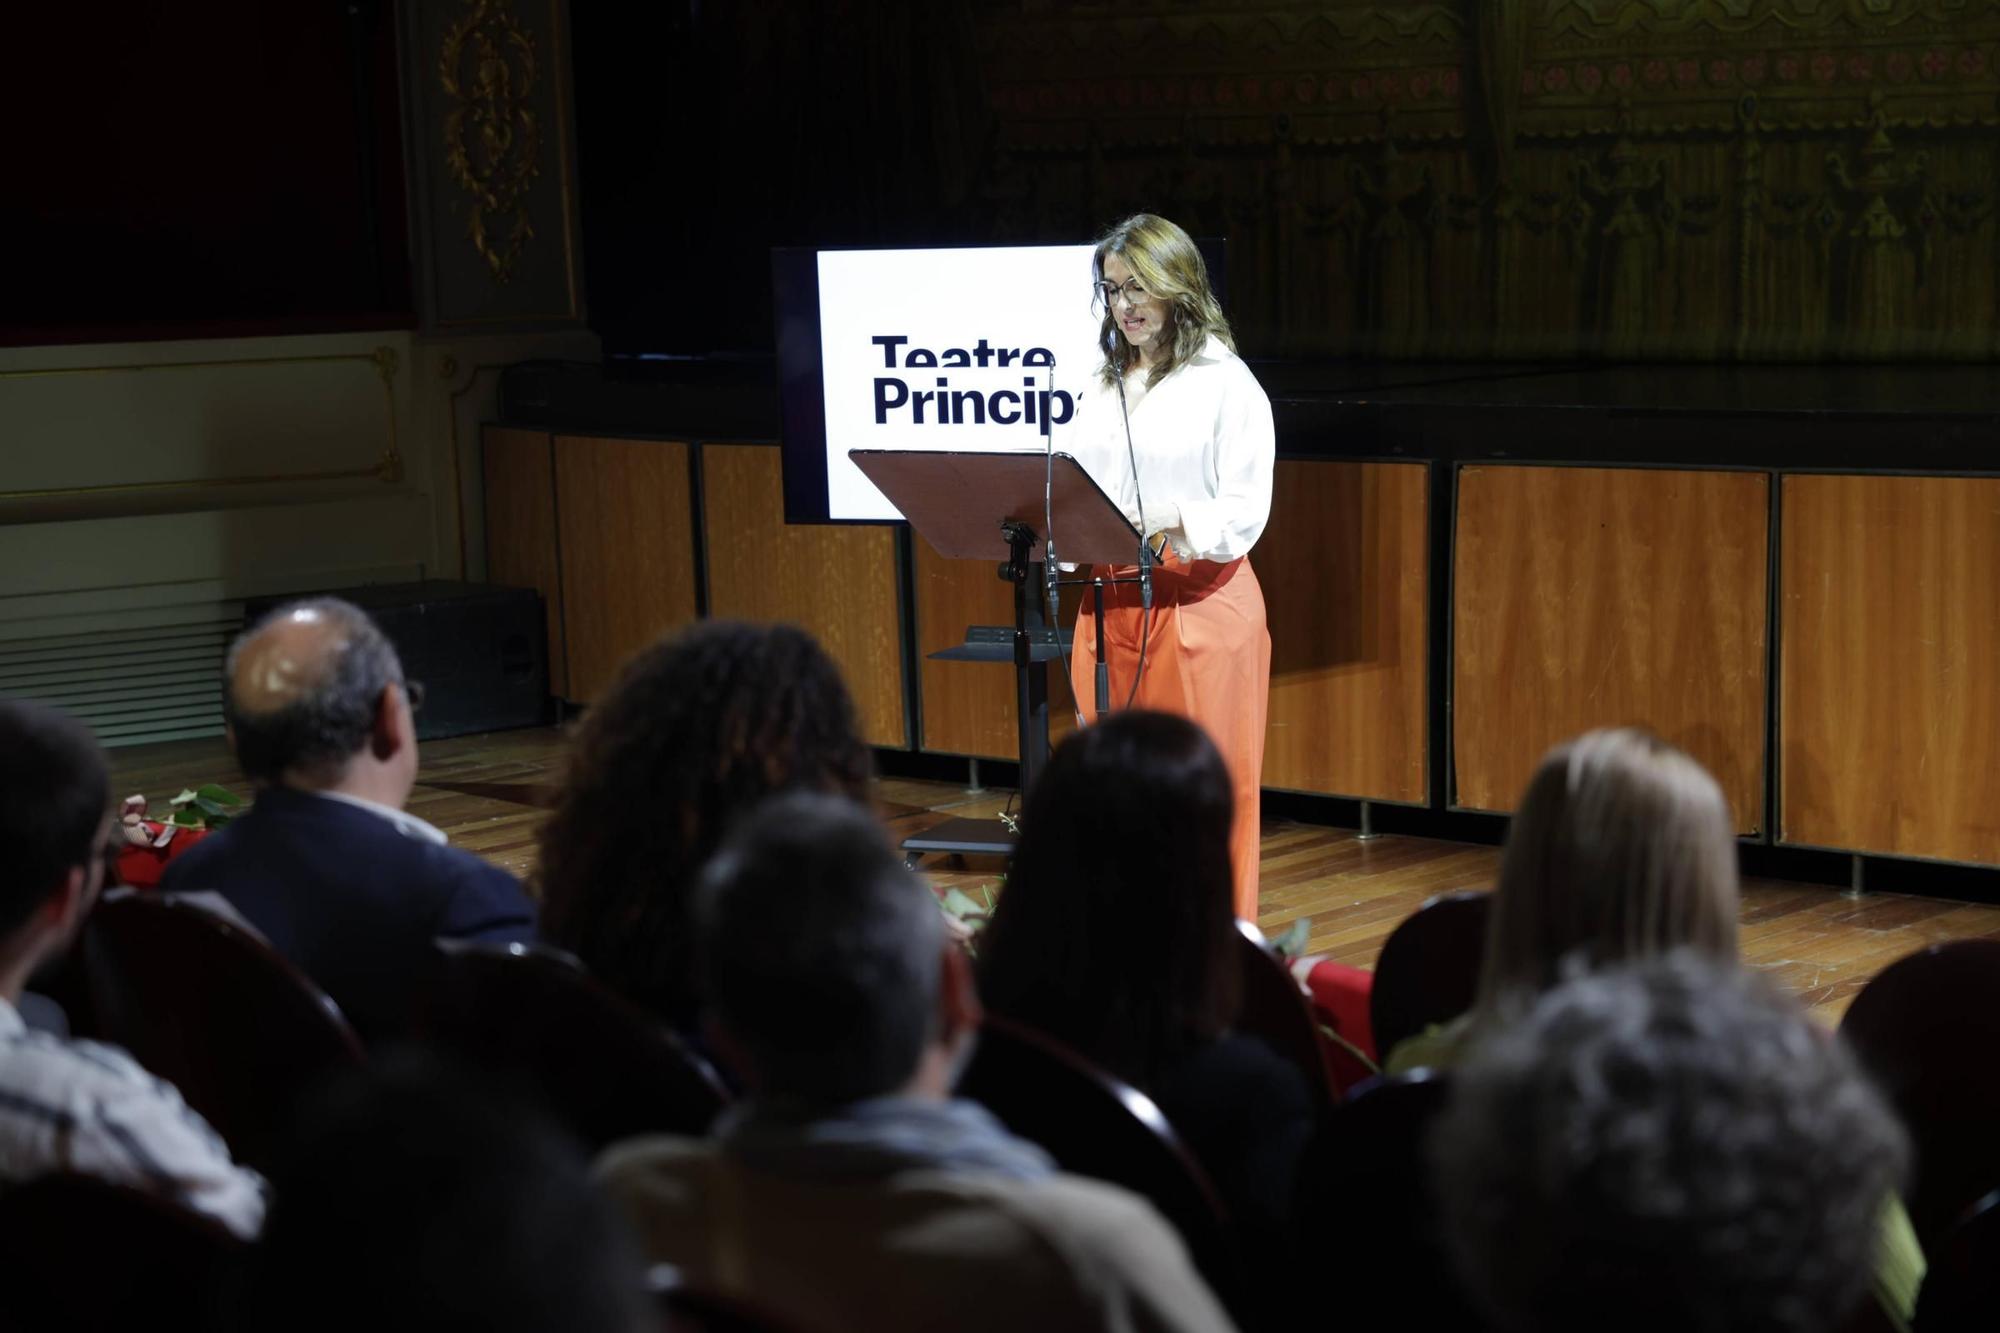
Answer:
(1204, 441)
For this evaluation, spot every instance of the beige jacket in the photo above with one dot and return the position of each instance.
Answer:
(923, 1250)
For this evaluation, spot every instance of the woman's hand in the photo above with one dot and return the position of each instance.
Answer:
(1161, 516)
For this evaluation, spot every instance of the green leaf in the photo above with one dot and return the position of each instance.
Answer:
(185, 796)
(185, 818)
(1293, 942)
(959, 905)
(217, 794)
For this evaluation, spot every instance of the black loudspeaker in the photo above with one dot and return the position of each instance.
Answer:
(480, 650)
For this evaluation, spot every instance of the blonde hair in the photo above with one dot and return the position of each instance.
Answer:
(1168, 265)
(1623, 848)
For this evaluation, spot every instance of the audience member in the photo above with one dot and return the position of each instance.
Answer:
(409, 1199)
(1116, 935)
(76, 1105)
(327, 864)
(1667, 1145)
(849, 1190)
(1623, 847)
(697, 728)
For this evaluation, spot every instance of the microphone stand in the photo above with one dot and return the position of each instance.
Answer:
(1050, 567)
(1098, 583)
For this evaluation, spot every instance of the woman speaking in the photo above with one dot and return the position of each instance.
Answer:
(1178, 432)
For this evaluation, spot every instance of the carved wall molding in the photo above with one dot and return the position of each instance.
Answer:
(1757, 179)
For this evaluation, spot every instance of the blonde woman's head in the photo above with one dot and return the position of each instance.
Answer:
(1153, 287)
(1623, 848)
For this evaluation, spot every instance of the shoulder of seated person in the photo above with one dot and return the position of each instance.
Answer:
(1259, 1058)
(477, 885)
(1109, 1218)
(1235, 1056)
(470, 864)
(1111, 1238)
(98, 1064)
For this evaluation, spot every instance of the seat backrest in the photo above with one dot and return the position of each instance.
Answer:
(87, 1254)
(1277, 1012)
(1961, 1292)
(1365, 1209)
(602, 1066)
(1924, 1027)
(1428, 972)
(215, 1011)
(1096, 1125)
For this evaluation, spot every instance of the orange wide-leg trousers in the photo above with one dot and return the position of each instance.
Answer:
(1208, 657)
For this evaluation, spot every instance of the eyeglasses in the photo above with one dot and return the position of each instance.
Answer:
(1134, 294)
(413, 690)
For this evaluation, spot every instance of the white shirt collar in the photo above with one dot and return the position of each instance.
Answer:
(1212, 350)
(405, 823)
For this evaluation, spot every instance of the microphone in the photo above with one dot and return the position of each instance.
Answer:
(1145, 547)
(1050, 573)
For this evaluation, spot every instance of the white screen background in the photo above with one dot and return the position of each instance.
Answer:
(1013, 297)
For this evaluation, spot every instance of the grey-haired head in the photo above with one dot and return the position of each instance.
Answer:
(1665, 1144)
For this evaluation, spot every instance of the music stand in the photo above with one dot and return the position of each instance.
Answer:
(971, 505)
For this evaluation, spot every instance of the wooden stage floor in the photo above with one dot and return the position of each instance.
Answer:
(487, 791)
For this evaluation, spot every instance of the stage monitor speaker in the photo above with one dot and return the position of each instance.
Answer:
(479, 650)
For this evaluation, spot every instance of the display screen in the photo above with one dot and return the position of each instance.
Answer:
(960, 348)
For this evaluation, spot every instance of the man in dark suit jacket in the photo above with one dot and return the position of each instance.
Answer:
(327, 863)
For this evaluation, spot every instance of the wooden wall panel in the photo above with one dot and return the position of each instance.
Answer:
(1587, 597)
(626, 520)
(1344, 567)
(1888, 690)
(837, 582)
(968, 707)
(519, 467)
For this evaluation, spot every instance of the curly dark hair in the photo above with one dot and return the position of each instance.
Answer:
(1668, 1144)
(697, 729)
(1116, 933)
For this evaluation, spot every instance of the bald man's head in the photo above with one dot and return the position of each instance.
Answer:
(304, 685)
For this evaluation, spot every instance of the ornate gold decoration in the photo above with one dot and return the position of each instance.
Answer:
(1716, 179)
(487, 66)
(1736, 18)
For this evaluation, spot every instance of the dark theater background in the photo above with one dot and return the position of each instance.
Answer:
(1631, 363)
